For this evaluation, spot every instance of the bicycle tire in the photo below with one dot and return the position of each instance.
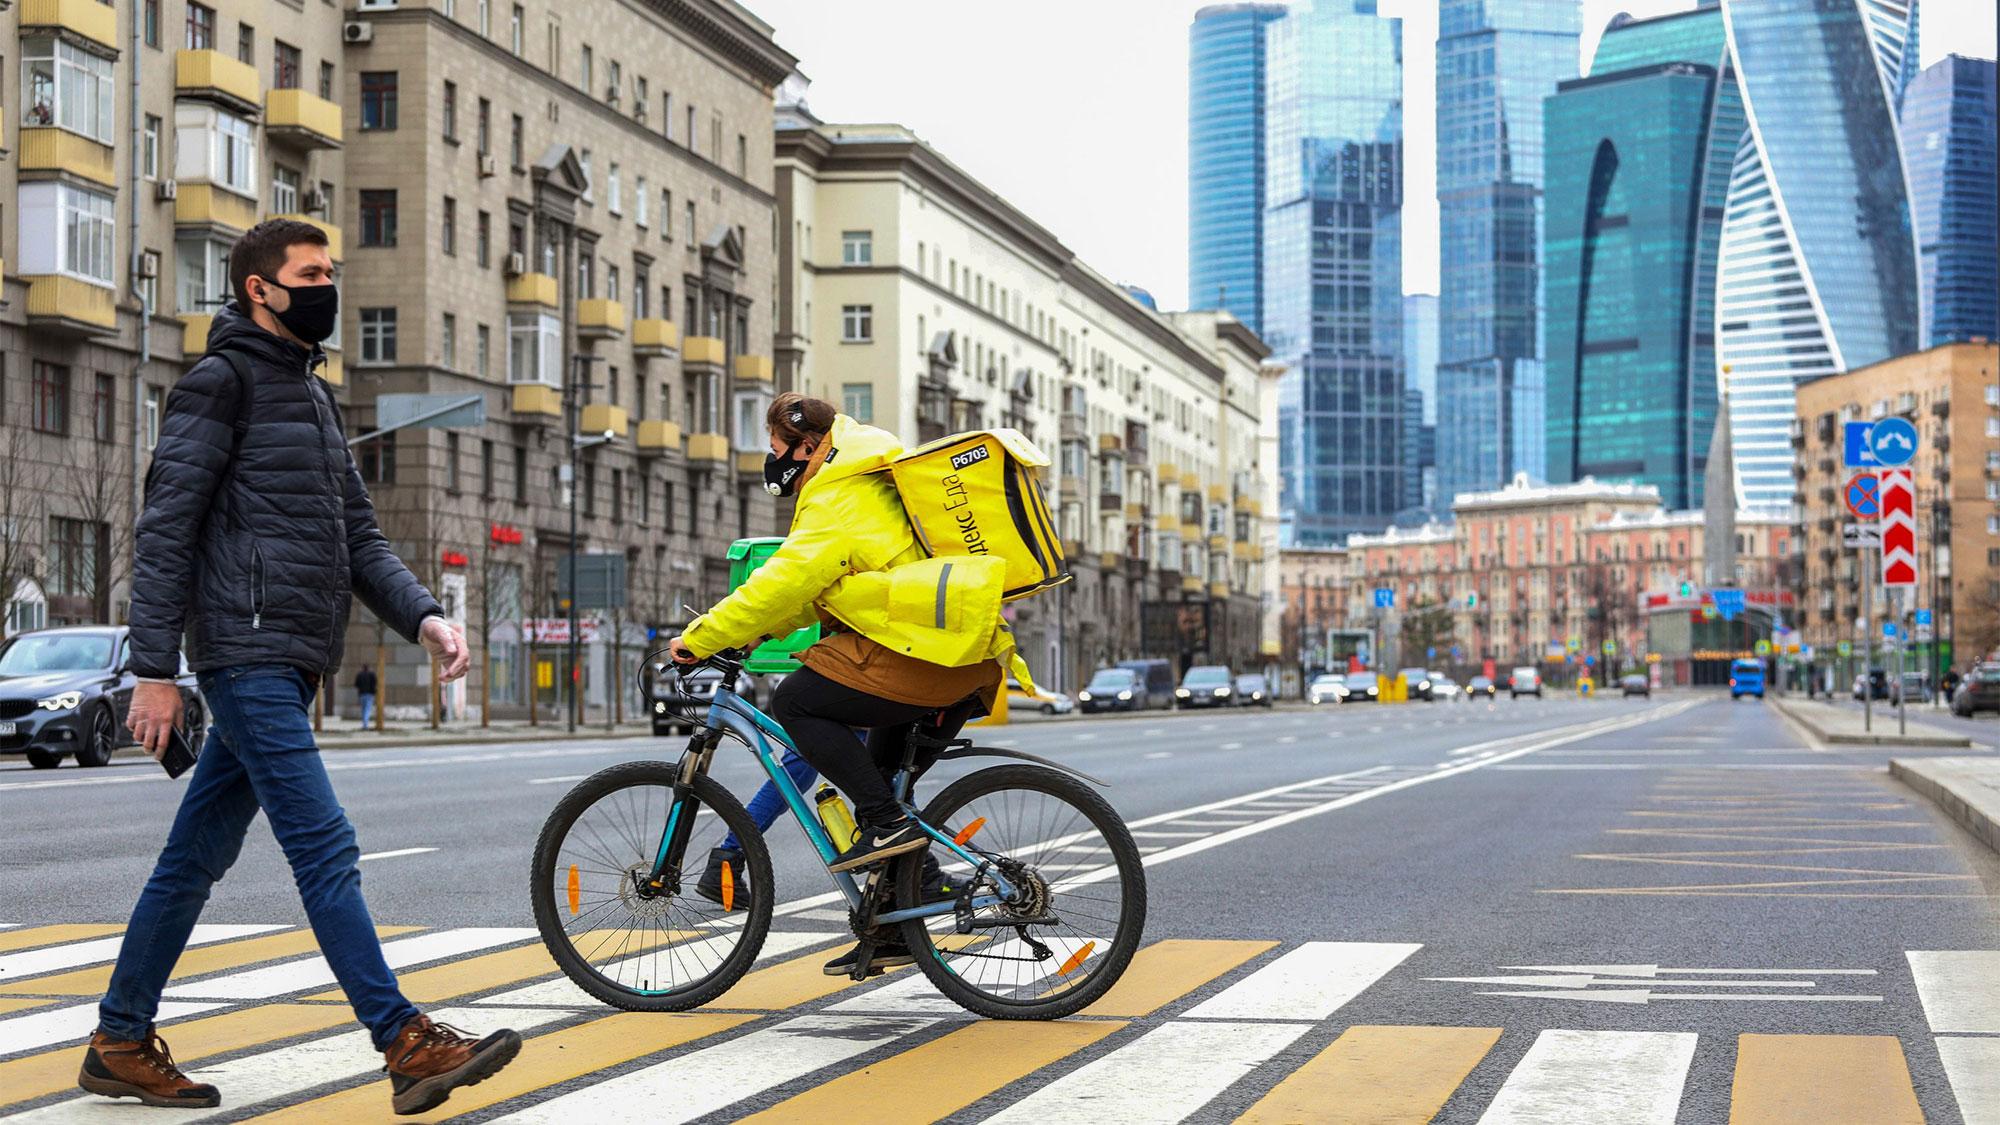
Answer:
(1131, 873)
(548, 918)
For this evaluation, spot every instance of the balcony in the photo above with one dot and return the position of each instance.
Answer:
(87, 18)
(1243, 550)
(301, 119)
(1191, 583)
(598, 318)
(206, 205)
(1136, 444)
(1135, 512)
(1110, 443)
(213, 76)
(333, 240)
(600, 418)
(1218, 589)
(48, 149)
(533, 289)
(712, 448)
(194, 333)
(1218, 542)
(1109, 560)
(656, 437)
(535, 402)
(1190, 483)
(1218, 493)
(753, 368)
(1110, 503)
(70, 307)
(654, 337)
(705, 351)
(1075, 427)
(749, 462)
(333, 371)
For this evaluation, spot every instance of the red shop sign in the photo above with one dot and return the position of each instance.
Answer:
(455, 558)
(504, 535)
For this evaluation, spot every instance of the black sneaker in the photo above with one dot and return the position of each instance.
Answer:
(888, 955)
(934, 885)
(878, 844)
(710, 886)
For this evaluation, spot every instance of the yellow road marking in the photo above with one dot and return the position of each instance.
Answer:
(49, 935)
(545, 1061)
(491, 970)
(788, 984)
(1167, 970)
(1377, 1075)
(191, 1040)
(15, 1004)
(1811, 1079)
(1701, 891)
(199, 961)
(943, 1076)
(1640, 857)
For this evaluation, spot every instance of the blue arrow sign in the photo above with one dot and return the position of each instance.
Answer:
(1385, 597)
(1893, 441)
(1728, 603)
(1857, 454)
(1889, 630)
(1922, 617)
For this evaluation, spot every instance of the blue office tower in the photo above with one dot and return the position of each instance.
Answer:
(1949, 125)
(1226, 158)
(1496, 62)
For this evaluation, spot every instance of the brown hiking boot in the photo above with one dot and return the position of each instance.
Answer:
(124, 1068)
(429, 1060)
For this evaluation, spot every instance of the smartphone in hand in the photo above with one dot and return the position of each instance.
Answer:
(180, 754)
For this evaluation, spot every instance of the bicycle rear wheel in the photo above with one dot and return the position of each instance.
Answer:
(1082, 906)
(619, 940)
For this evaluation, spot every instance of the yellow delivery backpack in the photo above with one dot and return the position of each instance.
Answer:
(980, 493)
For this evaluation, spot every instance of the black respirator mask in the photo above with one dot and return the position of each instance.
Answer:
(781, 474)
(313, 313)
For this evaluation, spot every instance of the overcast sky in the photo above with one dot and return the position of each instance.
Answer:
(1076, 110)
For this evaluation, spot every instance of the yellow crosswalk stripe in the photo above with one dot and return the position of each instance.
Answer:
(198, 961)
(49, 935)
(943, 1076)
(1811, 1079)
(545, 1061)
(1377, 1076)
(17, 1003)
(491, 970)
(1167, 970)
(789, 984)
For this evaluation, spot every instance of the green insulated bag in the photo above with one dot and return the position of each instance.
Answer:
(779, 654)
(980, 493)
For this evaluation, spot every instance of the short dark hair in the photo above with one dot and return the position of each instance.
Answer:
(261, 251)
(795, 417)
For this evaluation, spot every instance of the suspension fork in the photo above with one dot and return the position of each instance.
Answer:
(668, 863)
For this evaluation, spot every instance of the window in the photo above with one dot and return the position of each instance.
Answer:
(520, 474)
(482, 245)
(742, 155)
(378, 99)
(284, 65)
(517, 28)
(452, 481)
(448, 342)
(587, 69)
(284, 190)
(151, 407)
(611, 285)
(642, 296)
(67, 87)
(639, 97)
(215, 146)
(378, 217)
(666, 214)
(326, 80)
(485, 467)
(690, 128)
(203, 271)
(104, 409)
(149, 147)
(614, 192)
(483, 17)
(150, 21)
(515, 144)
(482, 351)
(748, 416)
(589, 181)
(857, 401)
(75, 558)
(614, 80)
(857, 324)
(246, 44)
(690, 222)
(586, 273)
(378, 335)
(482, 138)
(51, 401)
(450, 112)
(326, 198)
(378, 460)
(73, 231)
(590, 489)
(534, 348)
(857, 247)
(639, 202)
(200, 27)
(667, 505)
(448, 228)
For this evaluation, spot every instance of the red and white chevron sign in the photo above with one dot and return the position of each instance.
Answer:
(1899, 527)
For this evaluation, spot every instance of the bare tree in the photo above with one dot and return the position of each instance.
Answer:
(23, 496)
(1978, 624)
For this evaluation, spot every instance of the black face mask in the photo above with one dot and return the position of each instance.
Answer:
(781, 474)
(314, 310)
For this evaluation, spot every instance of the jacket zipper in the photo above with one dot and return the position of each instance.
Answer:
(256, 585)
(339, 506)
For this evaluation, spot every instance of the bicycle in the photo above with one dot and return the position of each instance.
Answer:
(1027, 847)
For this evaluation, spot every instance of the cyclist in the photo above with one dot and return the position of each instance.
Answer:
(848, 529)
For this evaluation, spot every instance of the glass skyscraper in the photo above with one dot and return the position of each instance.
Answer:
(1949, 125)
(1420, 362)
(1817, 272)
(1333, 266)
(1637, 161)
(1226, 158)
(1496, 62)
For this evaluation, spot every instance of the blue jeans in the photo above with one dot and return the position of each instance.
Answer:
(367, 708)
(767, 804)
(259, 754)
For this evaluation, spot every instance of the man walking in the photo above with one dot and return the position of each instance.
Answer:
(256, 528)
(364, 689)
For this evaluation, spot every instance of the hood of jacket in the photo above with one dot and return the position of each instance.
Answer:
(854, 449)
(235, 331)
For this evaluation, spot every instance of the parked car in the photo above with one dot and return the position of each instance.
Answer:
(1444, 687)
(678, 704)
(66, 692)
(1418, 681)
(1252, 691)
(1978, 691)
(1041, 699)
(1327, 688)
(1113, 689)
(1746, 677)
(1915, 685)
(1206, 685)
(1872, 683)
(1638, 683)
(1157, 677)
(1361, 687)
(1481, 685)
(1524, 681)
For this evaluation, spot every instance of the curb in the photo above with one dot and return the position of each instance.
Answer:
(1938, 741)
(1980, 822)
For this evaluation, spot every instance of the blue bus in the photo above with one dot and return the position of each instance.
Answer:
(1746, 677)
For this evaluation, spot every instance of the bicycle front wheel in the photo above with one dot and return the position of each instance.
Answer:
(1079, 907)
(623, 941)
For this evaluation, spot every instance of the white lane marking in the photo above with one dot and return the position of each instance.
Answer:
(1232, 746)
(72, 1022)
(1960, 989)
(1972, 1066)
(1309, 983)
(998, 970)
(1084, 738)
(14, 966)
(563, 992)
(9, 925)
(397, 852)
(557, 780)
(286, 1072)
(1548, 766)
(399, 762)
(1631, 1077)
(1162, 1077)
(314, 972)
(1284, 740)
(1171, 835)
(1159, 754)
(701, 1082)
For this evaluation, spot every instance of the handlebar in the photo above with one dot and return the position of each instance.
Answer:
(729, 662)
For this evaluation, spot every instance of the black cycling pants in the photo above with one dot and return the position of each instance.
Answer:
(820, 716)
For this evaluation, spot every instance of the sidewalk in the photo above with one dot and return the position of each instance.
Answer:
(1966, 788)
(1843, 726)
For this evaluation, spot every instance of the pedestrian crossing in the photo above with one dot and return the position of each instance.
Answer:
(1201, 1030)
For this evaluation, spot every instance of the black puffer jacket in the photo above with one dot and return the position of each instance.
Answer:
(256, 559)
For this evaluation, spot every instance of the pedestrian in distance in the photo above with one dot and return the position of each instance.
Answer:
(257, 534)
(364, 689)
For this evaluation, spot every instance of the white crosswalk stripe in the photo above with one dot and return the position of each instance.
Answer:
(1631, 1077)
(314, 972)
(71, 1023)
(1309, 983)
(562, 992)
(14, 966)
(1160, 1078)
(1960, 989)
(1973, 1067)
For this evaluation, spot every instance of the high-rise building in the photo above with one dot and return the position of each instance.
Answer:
(1817, 272)
(1496, 61)
(1420, 361)
(1949, 124)
(1333, 266)
(1636, 170)
(1226, 158)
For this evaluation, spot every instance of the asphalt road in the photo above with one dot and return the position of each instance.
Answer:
(1514, 866)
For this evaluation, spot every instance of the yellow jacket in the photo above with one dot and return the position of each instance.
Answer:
(850, 552)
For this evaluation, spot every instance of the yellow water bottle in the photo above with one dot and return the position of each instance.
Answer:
(834, 815)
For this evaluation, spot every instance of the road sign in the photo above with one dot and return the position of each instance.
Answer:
(1728, 603)
(1857, 454)
(1899, 528)
(1888, 630)
(1385, 597)
(1921, 617)
(1861, 536)
(431, 412)
(1845, 648)
(1610, 648)
(1892, 441)
(1641, 984)
(1864, 496)
(1763, 647)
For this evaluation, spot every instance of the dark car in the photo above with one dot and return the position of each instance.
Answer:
(1113, 689)
(1253, 691)
(1638, 683)
(67, 691)
(1873, 683)
(1418, 682)
(1206, 685)
(678, 704)
(1361, 688)
(1481, 685)
(1156, 677)
(1978, 691)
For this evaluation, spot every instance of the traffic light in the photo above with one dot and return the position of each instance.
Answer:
(1687, 589)
(1472, 600)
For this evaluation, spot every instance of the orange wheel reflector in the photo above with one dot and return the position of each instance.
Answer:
(575, 889)
(728, 887)
(1076, 959)
(965, 833)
